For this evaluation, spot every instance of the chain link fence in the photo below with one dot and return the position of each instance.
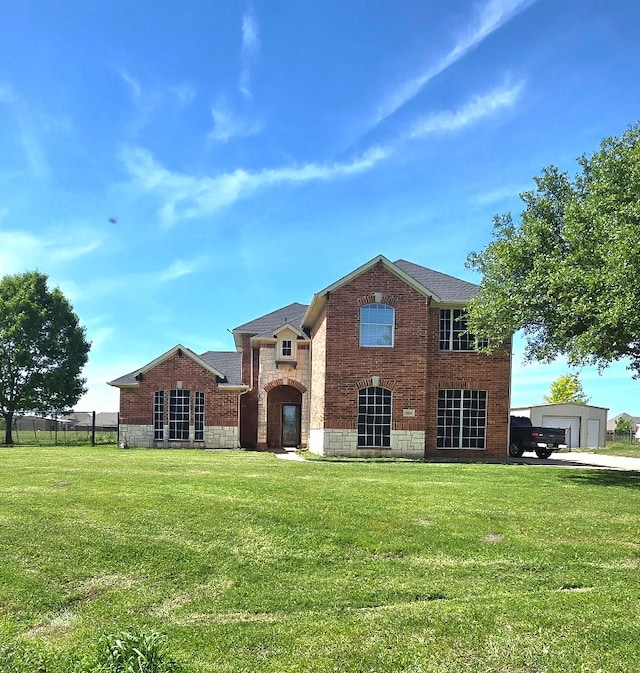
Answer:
(73, 429)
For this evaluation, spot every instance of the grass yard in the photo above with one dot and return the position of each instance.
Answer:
(624, 448)
(249, 563)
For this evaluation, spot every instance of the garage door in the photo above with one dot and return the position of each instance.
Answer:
(570, 423)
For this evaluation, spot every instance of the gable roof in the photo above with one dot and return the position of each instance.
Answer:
(267, 325)
(227, 362)
(447, 288)
(215, 362)
(434, 285)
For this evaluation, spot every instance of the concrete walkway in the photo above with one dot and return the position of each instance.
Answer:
(569, 459)
(285, 454)
(582, 459)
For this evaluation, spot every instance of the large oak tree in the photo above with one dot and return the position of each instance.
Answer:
(42, 349)
(568, 273)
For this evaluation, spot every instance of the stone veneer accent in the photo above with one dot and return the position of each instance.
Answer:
(220, 437)
(331, 442)
(283, 374)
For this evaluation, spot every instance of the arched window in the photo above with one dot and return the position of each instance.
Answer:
(377, 325)
(374, 417)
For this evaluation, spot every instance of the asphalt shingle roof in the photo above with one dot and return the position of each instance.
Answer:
(266, 325)
(228, 363)
(446, 287)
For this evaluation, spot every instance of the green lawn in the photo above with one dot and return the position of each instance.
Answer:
(249, 563)
(631, 449)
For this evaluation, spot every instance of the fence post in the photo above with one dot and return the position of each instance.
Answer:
(93, 428)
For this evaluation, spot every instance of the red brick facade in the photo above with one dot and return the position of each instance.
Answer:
(326, 369)
(179, 371)
(414, 369)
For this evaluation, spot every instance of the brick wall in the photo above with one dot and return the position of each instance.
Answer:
(414, 369)
(403, 368)
(318, 371)
(136, 404)
(469, 371)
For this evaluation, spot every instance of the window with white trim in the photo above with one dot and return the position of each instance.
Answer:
(179, 414)
(198, 417)
(286, 349)
(374, 418)
(377, 323)
(454, 333)
(462, 419)
(158, 415)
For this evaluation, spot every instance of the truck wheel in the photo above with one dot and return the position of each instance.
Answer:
(543, 453)
(515, 450)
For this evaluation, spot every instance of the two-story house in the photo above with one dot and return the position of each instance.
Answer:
(380, 363)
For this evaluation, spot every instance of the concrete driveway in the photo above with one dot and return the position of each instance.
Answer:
(582, 459)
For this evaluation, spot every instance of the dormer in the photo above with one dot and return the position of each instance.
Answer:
(287, 344)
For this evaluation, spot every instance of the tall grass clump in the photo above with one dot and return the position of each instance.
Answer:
(133, 651)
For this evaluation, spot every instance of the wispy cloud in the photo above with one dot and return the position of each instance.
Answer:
(491, 16)
(180, 268)
(182, 196)
(250, 48)
(148, 99)
(185, 196)
(228, 125)
(28, 131)
(480, 107)
(21, 250)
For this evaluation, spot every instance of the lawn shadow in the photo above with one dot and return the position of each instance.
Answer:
(625, 478)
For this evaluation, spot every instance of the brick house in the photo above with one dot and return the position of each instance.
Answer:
(379, 363)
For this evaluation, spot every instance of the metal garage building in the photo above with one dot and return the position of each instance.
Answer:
(585, 425)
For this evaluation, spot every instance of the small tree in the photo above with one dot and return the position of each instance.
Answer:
(42, 349)
(624, 426)
(567, 389)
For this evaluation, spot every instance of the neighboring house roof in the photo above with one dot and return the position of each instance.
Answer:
(611, 423)
(84, 419)
(267, 325)
(214, 362)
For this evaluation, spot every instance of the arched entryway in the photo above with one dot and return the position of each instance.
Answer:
(284, 408)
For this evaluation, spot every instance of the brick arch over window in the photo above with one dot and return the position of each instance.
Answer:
(382, 383)
(377, 298)
(281, 382)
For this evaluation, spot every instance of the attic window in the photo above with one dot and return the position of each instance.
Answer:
(287, 348)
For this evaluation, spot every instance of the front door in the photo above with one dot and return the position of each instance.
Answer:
(290, 424)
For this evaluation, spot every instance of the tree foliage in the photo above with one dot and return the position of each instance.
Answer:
(566, 389)
(624, 425)
(42, 348)
(568, 273)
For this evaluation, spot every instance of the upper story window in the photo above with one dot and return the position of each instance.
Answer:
(454, 334)
(377, 325)
(286, 348)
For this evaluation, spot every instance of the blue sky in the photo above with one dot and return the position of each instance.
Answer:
(178, 169)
